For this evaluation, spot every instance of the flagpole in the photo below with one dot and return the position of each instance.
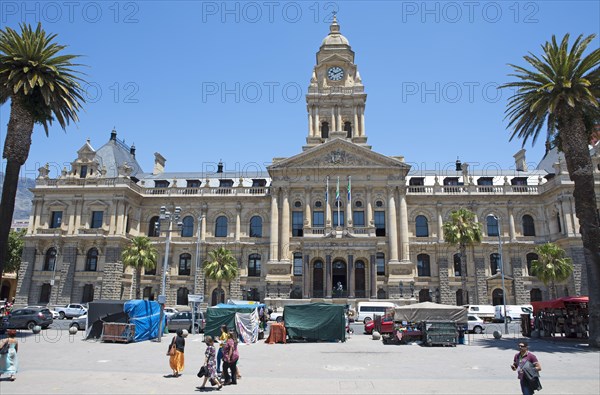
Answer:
(337, 198)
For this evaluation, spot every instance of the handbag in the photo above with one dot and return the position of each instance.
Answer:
(4, 348)
(203, 371)
(172, 349)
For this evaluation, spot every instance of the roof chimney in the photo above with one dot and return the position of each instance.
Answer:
(520, 163)
(220, 167)
(159, 164)
(113, 134)
(132, 150)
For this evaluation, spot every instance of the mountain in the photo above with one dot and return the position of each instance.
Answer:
(24, 197)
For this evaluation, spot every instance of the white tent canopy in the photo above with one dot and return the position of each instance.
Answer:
(428, 311)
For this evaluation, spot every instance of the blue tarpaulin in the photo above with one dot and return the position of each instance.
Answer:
(145, 315)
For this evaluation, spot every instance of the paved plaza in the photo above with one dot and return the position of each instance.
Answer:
(58, 363)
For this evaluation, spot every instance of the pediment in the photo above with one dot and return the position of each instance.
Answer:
(339, 153)
(86, 149)
(57, 203)
(335, 57)
(98, 203)
(498, 277)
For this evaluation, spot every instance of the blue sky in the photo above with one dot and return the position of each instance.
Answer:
(202, 81)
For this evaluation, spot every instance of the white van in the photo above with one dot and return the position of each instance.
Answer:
(366, 310)
(513, 312)
(483, 311)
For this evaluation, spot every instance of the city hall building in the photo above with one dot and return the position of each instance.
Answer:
(338, 221)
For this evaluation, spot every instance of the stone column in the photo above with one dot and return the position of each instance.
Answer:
(328, 276)
(349, 222)
(481, 294)
(340, 126)
(392, 231)
(350, 276)
(369, 208)
(34, 223)
(274, 229)
(120, 229)
(362, 121)
(355, 131)
(238, 221)
(447, 296)
(440, 223)
(78, 214)
(373, 266)
(307, 208)
(311, 131)
(203, 225)
(332, 127)
(404, 226)
(285, 226)
(70, 214)
(511, 224)
(306, 276)
(521, 296)
(112, 227)
(317, 129)
(328, 218)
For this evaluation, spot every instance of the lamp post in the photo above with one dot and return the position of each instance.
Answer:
(502, 274)
(401, 286)
(169, 217)
(198, 264)
(412, 289)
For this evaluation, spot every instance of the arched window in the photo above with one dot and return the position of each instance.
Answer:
(381, 294)
(254, 265)
(182, 296)
(256, 226)
(348, 129)
(457, 266)
(558, 224)
(423, 266)
(492, 225)
(528, 226)
(217, 296)
(380, 262)
(424, 295)
(497, 297)
(494, 263)
(535, 295)
(187, 230)
(318, 279)
(422, 227)
(325, 129)
(154, 227)
(91, 260)
(50, 261)
(185, 265)
(530, 258)
(88, 293)
(221, 227)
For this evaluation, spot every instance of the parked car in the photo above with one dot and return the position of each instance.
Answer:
(27, 318)
(475, 324)
(513, 312)
(71, 310)
(79, 322)
(170, 312)
(54, 313)
(276, 316)
(387, 325)
(183, 320)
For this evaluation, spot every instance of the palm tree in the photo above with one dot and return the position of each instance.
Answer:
(220, 266)
(140, 254)
(552, 266)
(462, 230)
(562, 91)
(42, 86)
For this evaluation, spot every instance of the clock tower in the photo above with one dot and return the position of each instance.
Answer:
(336, 96)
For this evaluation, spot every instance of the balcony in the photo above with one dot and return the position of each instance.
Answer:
(474, 190)
(225, 191)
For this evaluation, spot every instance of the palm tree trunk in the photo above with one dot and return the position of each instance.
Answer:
(16, 151)
(463, 273)
(552, 290)
(574, 141)
(138, 280)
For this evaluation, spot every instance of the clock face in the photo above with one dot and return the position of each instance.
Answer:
(335, 73)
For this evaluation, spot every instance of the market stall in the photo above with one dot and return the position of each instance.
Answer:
(566, 316)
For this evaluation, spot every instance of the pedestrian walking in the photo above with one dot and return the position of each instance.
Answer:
(9, 360)
(210, 363)
(523, 370)
(222, 339)
(176, 359)
(230, 358)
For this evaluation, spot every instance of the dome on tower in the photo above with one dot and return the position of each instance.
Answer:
(335, 37)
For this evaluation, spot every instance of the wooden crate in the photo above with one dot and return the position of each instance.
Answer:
(117, 332)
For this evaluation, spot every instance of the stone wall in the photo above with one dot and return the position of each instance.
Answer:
(521, 294)
(62, 292)
(481, 292)
(447, 295)
(24, 283)
(112, 279)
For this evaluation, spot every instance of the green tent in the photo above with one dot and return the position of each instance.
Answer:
(217, 316)
(315, 321)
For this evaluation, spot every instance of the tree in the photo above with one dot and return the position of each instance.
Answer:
(42, 86)
(15, 251)
(220, 266)
(139, 254)
(462, 230)
(562, 91)
(552, 266)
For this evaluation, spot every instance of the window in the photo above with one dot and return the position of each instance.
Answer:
(358, 204)
(519, 181)
(424, 295)
(88, 293)
(221, 227)
(193, 183)
(416, 181)
(423, 266)
(154, 227)
(422, 228)
(56, 219)
(380, 263)
(45, 294)
(379, 203)
(451, 181)
(297, 263)
(558, 222)
(530, 258)
(318, 204)
(457, 266)
(182, 296)
(83, 172)
(358, 217)
(187, 230)
(150, 271)
(97, 219)
(256, 226)
(348, 129)
(50, 261)
(459, 297)
(185, 264)
(148, 294)
(325, 129)
(297, 223)
(318, 219)
(492, 225)
(226, 183)
(485, 181)
(528, 226)
(497, 297)
(254, 265)
(91, 260)
(297, 204)
(535, 295)
(335, 218)
(379, 223)
(161, 184)
(259, 182)
(495, 265)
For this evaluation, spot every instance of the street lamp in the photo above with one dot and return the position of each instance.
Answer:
(401, 286)
(162, 299)
(198, 264)
(501, 264)
(412, 289)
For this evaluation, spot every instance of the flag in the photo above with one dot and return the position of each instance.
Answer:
(349, 189)
(337, 190)
(327, 191)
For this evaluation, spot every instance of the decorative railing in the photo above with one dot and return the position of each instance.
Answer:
(249, 191)
(473, 189)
